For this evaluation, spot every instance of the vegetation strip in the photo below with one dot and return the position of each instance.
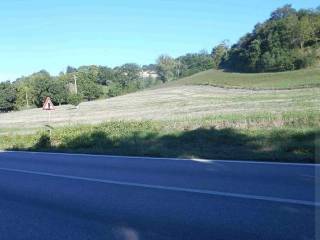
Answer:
(160, 139)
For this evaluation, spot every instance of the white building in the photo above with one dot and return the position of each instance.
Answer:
(148, 74)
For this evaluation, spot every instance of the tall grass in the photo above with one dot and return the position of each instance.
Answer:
(258, 120)
(290, 142)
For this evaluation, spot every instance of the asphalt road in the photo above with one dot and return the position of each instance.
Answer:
(62, 196)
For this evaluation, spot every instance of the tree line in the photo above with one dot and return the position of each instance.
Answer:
(288, 40)
(87, 83)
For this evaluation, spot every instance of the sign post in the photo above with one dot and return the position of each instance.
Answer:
(48, 106)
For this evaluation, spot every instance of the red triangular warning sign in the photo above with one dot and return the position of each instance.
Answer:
(48, 105)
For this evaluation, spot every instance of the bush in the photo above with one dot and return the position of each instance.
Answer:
(44, 142)
(304, 59)
(75, 99)
(114, 90)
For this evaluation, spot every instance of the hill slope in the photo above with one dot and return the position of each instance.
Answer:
(188, 120)
(306, 78)
(225, 107)
(230, 98)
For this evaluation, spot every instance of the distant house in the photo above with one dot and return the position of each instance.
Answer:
(149, 74)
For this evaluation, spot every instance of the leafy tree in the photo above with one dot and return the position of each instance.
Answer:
(283, 12)
(71, 69)
(150, 67)
(25, 95)
(192, 63)
(43, 86)
(89, 72)
(8, 96)
(61, 91)
(166, 68)
(87, 86)
(219, 53)
(304, 31)
(128, 73)
(254, 53)
(105, 75)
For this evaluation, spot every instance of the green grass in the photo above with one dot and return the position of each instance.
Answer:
(232, 122)
(176, 139)
(306, 78)
(257, 120)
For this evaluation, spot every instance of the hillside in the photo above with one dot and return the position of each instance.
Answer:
(307, 78)
(277, 121)
(288, 40)
(277, 96)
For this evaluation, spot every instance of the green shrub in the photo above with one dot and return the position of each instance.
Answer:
(44, 142)
(75, 99)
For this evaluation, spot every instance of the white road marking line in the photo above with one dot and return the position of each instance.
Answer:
(173, 159)
(168, 188)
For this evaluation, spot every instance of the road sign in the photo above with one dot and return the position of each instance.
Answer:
(48, 105)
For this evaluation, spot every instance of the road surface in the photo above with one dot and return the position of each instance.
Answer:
(66, 196)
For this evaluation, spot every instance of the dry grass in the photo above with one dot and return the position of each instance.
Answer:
(172, 103)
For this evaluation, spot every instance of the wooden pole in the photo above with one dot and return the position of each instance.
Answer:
(75, 84)
(49, 120)
(27, 99)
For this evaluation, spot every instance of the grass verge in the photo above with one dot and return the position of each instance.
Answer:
(168, 139)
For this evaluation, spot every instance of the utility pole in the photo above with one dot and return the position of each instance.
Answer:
(178, 68)
(75, 84)
(27, 100)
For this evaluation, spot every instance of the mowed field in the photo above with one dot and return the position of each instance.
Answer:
(213, 115)
(188, 99)
(306, 78)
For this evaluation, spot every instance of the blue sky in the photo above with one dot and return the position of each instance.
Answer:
(51, 34)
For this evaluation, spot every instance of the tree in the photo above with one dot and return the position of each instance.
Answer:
(61, 91)
(25, 96)
(128, 73)
(219, 53)
(166, 66)
(71, 69)
(150, 67)
(254, 54)
(8, 96)
(44, 85)
(283, 12)
(89, 72)
(192, 63)
(304, 31)
(87, 87)
(105, 75)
